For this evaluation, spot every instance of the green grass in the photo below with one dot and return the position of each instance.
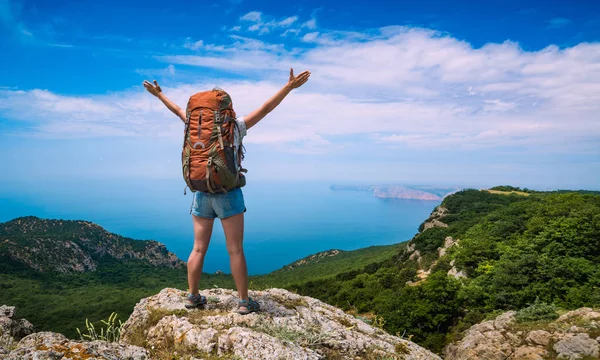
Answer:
(328, 267)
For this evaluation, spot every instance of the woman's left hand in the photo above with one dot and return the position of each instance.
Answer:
(298, 80)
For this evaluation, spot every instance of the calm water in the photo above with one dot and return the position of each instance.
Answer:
(284, 222)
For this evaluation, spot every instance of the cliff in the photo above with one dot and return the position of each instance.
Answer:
(289, 326)
(67, 246)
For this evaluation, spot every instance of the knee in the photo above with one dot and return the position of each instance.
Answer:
(199, 251)
(237, 251)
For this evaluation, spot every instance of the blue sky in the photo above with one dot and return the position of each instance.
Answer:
(434, 92)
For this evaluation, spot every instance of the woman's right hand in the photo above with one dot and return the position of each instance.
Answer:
(153, 89)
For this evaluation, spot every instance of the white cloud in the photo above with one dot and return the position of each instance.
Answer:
(396, 86)
(262, 26)
(193, 45)
(253, 16)
(310, 37)
(288, 21)
(310, 24)
(290, 31)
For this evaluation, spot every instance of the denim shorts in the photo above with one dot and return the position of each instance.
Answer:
(221, 205)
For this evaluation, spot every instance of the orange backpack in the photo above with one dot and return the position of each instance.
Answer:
(210, 160)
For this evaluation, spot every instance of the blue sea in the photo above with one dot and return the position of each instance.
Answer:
(284, 221)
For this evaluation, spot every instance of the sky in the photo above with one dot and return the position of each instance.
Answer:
(425, 92)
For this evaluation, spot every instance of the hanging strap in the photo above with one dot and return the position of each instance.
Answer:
(220, 133)
(208, 177)
(218, 124)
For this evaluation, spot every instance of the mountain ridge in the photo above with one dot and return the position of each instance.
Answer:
(74, 246)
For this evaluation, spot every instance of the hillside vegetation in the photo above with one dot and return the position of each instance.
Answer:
(513, 250)
(326, 264)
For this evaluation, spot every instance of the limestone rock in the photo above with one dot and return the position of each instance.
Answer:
(12, 329)
(48, 345)
(530, 353)
(289, 326)
(539, 337)
(575, 347)
(505, 319)
(585, 314)
(448, 243)
(482, 341)
(456, 274)
(502, 338)
(434, 223)
(416, 256)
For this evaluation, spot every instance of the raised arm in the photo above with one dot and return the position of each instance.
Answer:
(155, 90)
(294, 82)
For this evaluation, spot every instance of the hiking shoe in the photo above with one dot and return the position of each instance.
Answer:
(194, 301)
(250, 305)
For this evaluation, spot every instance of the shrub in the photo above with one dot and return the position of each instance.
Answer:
(538, 311)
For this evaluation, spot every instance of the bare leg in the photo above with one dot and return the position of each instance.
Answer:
(234, 235)
(202, 232)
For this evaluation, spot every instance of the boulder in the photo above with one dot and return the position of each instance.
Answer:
(289, 326)
(51, 346)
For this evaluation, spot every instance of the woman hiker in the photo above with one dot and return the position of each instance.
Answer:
(228, 205)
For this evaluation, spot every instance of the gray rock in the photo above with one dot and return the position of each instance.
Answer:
(455, 273)
(504, 320)
(498, 339)
(574, 347)
(434, 223)
(12, 329)
(585, 314)
(289, 326)
(514, 339)
(485, 326)
(530, 353)
(416, 256)
(448, 243)
(50, 346)
(539, 337)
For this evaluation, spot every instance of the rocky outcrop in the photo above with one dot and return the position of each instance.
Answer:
(19, 342)
(454, 272)
(74, 246)
(423, 272)
(448, 243)
(289, 326)
(575, 335)
(434, 218)
(12, 329)
(50, 346)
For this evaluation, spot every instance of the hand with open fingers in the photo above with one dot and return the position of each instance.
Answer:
(153, 89)
(298, 80)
